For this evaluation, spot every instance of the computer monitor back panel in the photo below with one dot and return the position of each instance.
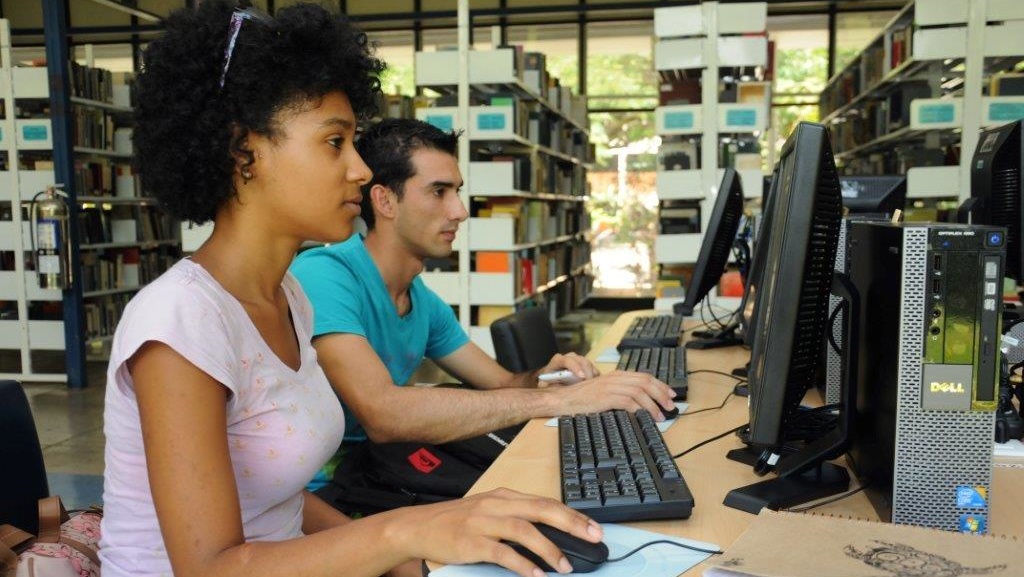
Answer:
(873, 194)
(792, 307)
(927, 369)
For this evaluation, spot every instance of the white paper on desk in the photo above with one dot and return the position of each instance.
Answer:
(655, 561)
(609, 355)
(662, 426)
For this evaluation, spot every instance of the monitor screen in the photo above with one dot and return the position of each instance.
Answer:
(717, 243)
(792, 315)
(997, 189)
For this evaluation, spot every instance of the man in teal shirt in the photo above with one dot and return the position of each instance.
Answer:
(375, 320)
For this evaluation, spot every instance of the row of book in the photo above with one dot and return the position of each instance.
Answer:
(537, 221)
(531, 68)
(103, 314)
(879, 117)
(102, 177)
(125, 268)
(102, 85)
(679, 217)
(899, 158)
(124, 223)
(742, 152)
(541, 173)
(95, 128)
(533, 271)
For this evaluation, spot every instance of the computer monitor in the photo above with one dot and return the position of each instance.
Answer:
(873, 194)
(717, 244)
(997, 189)
(792, 317)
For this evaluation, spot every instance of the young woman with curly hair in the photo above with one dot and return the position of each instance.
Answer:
(217, 413)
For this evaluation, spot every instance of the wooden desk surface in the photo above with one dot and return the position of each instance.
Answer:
(530, 463)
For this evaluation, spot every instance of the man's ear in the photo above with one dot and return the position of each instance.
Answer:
(384, 200)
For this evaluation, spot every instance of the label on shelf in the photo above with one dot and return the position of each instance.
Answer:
(930, 113)
(936, 113)
(443, 121)
(1005, 111)
(34, 133)
(674, 120)
(746, 118)
(490, 121)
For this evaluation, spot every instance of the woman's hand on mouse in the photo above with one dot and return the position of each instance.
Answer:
(471, 530)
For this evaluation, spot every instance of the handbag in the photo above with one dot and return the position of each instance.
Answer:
(65, 547)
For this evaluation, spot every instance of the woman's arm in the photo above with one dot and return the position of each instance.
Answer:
(184, 431)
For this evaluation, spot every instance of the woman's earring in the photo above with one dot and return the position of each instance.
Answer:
(246, 176)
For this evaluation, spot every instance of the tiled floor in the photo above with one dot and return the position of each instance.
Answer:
(70, 422)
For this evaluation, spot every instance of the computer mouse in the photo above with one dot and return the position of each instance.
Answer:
(670, 414)
(584, 556)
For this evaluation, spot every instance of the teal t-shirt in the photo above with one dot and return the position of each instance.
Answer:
(349, 296)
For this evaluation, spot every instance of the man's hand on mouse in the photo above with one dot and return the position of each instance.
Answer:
(616, 390)
(579, 369)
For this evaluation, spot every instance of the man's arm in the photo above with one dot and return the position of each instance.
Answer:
(471, 365)
(391, 413)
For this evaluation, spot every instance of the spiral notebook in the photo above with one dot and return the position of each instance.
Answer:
(809, 545)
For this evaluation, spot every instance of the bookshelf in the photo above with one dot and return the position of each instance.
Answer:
(913, 100)
(527, 241)
(74, 126)
(705, 122)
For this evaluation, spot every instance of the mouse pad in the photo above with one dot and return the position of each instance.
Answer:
(660, 560)
(662, 426)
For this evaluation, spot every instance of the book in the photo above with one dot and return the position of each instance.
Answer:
(810, 545)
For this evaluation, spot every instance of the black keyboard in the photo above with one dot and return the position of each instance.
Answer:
(668, 365)
(616, 467)
(656, 331)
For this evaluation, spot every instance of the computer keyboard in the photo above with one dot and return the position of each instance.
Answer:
(654, 331)
(668, 365)
(616, 467)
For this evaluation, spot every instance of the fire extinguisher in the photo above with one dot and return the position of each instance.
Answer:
(50, 242)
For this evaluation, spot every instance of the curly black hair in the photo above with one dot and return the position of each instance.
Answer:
(190, 129)
(387, 148)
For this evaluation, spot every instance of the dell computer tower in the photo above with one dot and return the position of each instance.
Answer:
(930, 302)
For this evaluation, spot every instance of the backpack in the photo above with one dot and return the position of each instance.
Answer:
(66, 546)
(375, 477)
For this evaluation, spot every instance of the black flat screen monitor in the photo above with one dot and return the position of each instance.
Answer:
(873, 194)
(717, 244)
(797, 257)
(997, 189)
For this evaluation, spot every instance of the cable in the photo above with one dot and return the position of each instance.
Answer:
(831, 327)
(665, 542)
(724, 374)
(828, 501)
(706, 441)
(724, 401)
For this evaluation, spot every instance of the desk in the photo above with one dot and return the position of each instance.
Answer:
(530, 463)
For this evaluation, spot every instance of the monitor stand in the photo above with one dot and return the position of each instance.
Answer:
(743, 371)
(822, 481)
(724, 337)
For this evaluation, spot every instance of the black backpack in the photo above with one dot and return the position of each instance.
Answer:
(373, 477)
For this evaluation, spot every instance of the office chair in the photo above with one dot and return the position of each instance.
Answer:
(524, 340)
(20, 455)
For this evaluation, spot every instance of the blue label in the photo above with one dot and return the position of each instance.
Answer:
(741, 117)
(971, 497)
(678, 120)
(490, 121)
(973, 523)
(1006, 111)
(442, 121)
(935, 113)
(34, 132)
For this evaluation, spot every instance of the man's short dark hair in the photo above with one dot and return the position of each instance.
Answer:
(387, 148)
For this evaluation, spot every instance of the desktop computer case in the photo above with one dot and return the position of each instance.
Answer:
(923, 446)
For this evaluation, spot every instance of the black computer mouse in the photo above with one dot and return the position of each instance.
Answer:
(670, 414)
(583, 555)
